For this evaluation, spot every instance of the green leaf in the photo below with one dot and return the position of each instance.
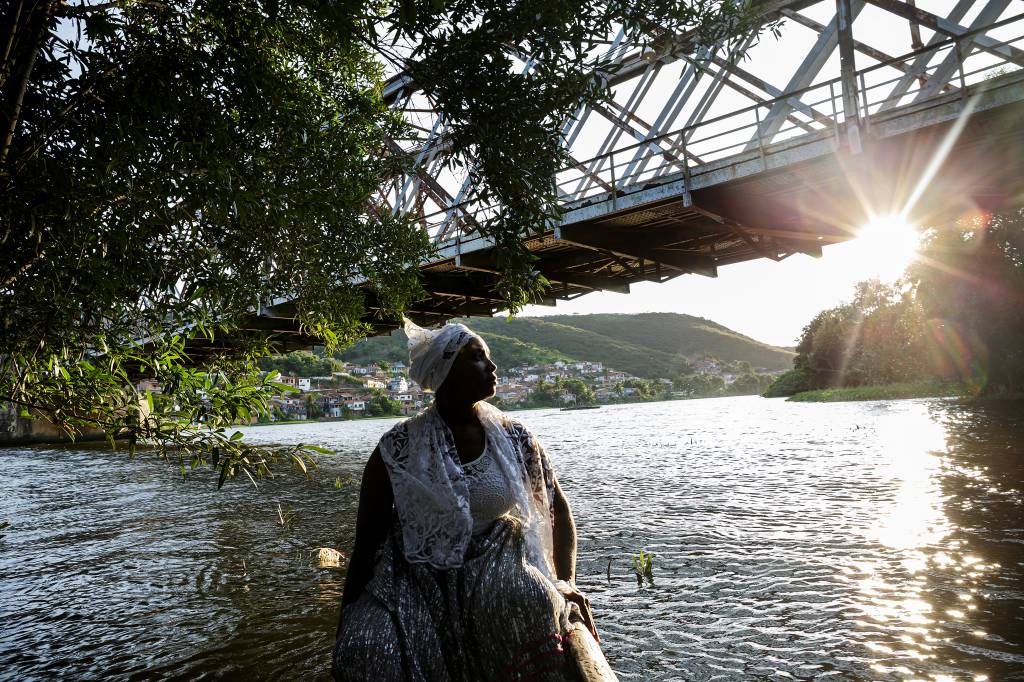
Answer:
(225, 467)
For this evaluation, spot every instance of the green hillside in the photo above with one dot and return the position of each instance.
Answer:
(506, 351)
(683, 335)
(581, 344)
(647, 345)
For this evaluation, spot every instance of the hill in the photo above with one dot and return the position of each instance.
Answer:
(506, 351)
(682, 335)
(646, 345)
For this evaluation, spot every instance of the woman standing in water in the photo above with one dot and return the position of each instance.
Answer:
(465, 553)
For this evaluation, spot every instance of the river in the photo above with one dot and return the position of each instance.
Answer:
(847, 541)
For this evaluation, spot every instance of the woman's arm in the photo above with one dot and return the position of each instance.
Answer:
(564, 537)
(564, 540)
(372, 522)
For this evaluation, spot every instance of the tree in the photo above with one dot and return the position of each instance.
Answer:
(746, 384)
(300, 363)
(582, 394)
(877, 338)
(166, 168)
(314, 409)
(970, 282)
(544, 395)
(169, 167)
(701, 385)
(383, 406)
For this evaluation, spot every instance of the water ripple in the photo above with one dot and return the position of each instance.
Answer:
(794, 541)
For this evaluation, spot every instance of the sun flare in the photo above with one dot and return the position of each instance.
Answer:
(888, 244)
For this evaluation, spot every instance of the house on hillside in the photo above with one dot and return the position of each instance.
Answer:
(704, 366)
(320, 382)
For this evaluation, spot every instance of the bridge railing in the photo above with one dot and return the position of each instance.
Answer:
(924, 77)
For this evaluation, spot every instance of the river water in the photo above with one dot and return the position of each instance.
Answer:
(847, 541)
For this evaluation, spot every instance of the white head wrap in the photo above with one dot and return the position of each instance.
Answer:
(432, 352)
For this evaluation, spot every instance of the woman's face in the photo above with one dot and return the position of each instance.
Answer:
(472, 374)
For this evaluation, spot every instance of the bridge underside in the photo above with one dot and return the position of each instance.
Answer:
(795, 197)
(671, 178)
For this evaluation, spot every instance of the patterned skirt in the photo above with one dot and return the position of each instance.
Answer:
(495, 618)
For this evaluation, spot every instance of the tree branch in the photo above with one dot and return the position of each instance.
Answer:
(49, 412)
(12, 24)
(82, 10)
(39, 16)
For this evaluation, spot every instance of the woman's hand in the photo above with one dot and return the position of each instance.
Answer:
(571, 594)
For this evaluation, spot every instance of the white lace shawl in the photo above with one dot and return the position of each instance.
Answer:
(430, 489)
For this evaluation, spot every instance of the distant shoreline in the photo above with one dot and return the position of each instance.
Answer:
(900, 391)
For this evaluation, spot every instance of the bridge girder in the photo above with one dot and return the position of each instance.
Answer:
(703, 159)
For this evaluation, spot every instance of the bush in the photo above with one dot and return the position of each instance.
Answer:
(792, 382)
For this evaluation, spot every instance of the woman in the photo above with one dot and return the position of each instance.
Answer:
(465, 553)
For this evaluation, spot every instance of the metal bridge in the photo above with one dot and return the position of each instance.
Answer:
(703, 159)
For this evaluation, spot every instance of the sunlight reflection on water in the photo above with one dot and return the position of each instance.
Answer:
(843, 541)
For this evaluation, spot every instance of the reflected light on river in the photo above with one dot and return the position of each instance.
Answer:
(898, 602)
(913, 446)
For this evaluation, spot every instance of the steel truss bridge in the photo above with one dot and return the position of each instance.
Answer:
(704, 159)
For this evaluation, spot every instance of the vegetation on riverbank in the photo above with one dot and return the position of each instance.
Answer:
(171, 167)
(954, 320)
(919, 389)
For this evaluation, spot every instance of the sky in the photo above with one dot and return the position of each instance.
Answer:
(766, 300)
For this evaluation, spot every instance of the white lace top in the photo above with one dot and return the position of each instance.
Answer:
(432, 493)
(490, 495)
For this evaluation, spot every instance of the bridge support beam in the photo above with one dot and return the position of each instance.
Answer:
(636, 246)
(482, 261)
(848, 74)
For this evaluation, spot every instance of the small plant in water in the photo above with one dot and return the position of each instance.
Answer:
(285, 517)
(643, 567)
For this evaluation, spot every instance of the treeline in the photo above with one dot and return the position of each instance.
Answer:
(956, 316)
(301, 363)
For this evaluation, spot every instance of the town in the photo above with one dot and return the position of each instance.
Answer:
(385, 389)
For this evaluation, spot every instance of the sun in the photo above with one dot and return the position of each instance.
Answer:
(887, 245)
